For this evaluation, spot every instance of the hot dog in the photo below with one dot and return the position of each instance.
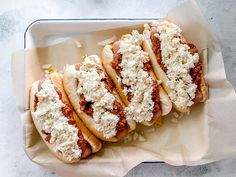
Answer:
(176, 62)
(129, 67)
(57, 123)
(95, 100)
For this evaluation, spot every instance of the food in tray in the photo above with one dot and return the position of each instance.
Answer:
(94, 97)
(137, 80)
(130, 69)
(176, 63)
(57, 123)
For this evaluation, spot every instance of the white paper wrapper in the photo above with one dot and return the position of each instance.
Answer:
(207, 134)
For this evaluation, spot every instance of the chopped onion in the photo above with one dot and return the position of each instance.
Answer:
(78, 44)
(175, 114)
(174, 120)
(107, 41)
(46, 66)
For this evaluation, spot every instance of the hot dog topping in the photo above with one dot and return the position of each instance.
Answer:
(84, 145)
(196, 74)
(68, 112)
(48, 113)
(136, 78)
(86, 106)
(119, 111)
(115, 64)
(92, 85)
(156, 47)
(117, 58)
(178, 60)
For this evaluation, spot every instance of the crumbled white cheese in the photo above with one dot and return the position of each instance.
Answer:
(178, 116)
(50, 117)
(150, 130)
(181, 115)
(188, 113)
(140, 83)
(141, 138)
(107, 124)
(175, 114)
(178, 61)
(128, 138)
(118, 78)
(94, 90)
(134, 136)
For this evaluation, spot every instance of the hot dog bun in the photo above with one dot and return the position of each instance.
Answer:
(70, 84)
(166, 106)
(94, 143)
(160, 74)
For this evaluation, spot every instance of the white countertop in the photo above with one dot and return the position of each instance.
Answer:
(15, 16)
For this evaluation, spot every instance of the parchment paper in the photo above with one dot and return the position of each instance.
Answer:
(207, 134)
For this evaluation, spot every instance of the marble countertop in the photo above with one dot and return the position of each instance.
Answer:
(15, 16)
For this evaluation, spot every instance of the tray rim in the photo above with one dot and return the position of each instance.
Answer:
(77, 19)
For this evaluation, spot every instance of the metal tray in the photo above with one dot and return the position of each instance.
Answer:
(45, 32)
